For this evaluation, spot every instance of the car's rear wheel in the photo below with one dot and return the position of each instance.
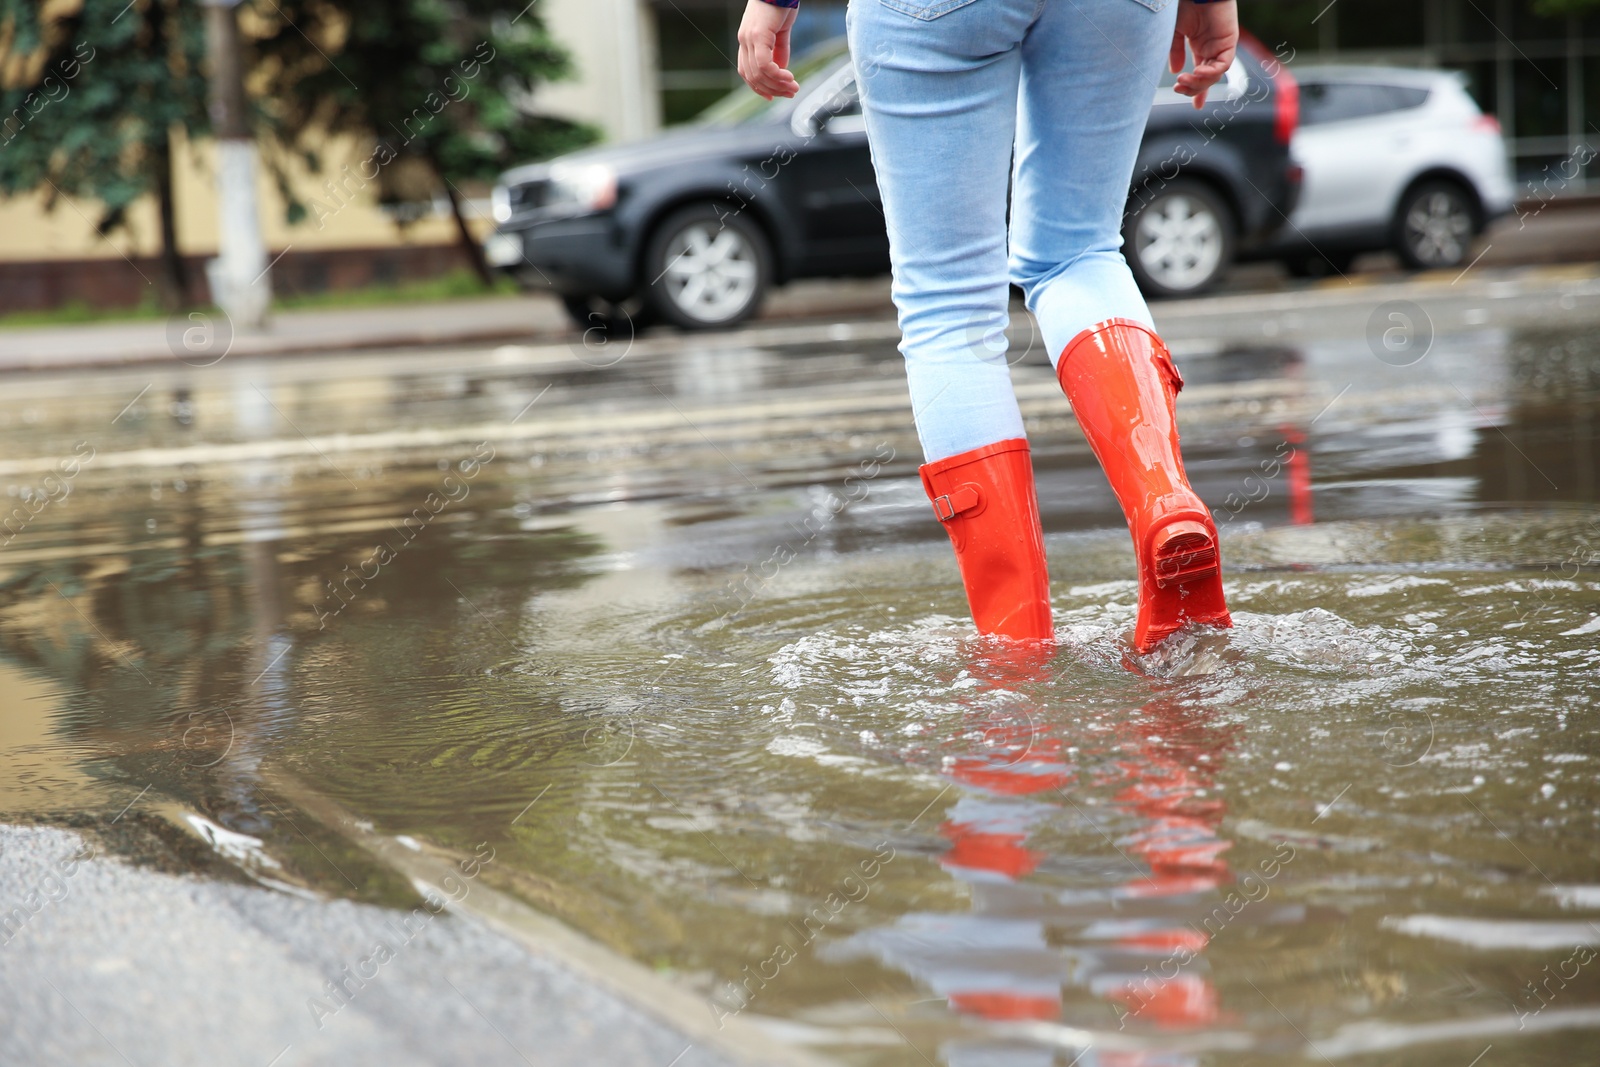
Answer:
(1180, 240)
(1434, 226)
(706, 267)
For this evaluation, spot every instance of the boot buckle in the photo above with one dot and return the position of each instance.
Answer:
(962, 498)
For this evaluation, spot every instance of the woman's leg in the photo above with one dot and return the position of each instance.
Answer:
(1090, 70)
(940, 97)
(939, 91)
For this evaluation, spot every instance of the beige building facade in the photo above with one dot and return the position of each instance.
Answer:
(615, 88)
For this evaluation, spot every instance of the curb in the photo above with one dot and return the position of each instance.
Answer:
(740, 1037)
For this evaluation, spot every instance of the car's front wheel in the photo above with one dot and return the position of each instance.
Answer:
(1434, 226)
(707, 266)
(1179, 240)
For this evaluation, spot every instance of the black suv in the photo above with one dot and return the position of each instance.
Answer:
(692, 227)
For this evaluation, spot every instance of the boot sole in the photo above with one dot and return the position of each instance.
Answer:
(1184, 584)
(1184, 551)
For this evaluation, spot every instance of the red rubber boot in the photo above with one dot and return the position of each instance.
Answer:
(986, 501)
(1123, 388)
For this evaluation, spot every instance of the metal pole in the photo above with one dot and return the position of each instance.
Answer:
(239, 279)
(631, 58)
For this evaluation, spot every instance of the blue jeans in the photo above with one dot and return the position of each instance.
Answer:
(964, 98)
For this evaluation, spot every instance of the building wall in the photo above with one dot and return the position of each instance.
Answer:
(28, 231)
(54, 257)
(614, 53)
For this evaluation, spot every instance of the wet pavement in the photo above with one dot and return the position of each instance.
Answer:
(125, 964)
(668, 626)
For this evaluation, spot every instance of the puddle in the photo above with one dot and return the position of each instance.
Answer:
(679, 643)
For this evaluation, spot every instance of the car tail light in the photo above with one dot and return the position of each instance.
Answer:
(1288, 105)
(1486, 124)
(1296, 174)
(1285, 90)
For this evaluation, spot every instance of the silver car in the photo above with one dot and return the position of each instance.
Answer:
(1393, 158)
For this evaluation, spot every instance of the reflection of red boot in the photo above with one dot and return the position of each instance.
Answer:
(1123, 388)
(1181, 1002)
(986, 501)
(1004, 1005)
(971, 849)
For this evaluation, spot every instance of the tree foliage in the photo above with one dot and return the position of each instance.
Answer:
(440, 91)
(89, 97)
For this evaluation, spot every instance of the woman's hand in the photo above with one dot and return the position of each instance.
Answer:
(1212, 33)
(764, 49)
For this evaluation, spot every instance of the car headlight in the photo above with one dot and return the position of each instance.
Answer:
(500, 203)
(582, 186)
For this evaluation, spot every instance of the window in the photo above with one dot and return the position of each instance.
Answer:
(1401, 97)
(1334, 101)
(695, 70)
(742, 106)
(842, 110)
(698, 40)
(1539, 87)
(1377, 24)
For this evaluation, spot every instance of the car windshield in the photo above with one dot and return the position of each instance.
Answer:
(742, 106)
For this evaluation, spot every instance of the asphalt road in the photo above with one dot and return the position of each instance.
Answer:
(105, 962)
(1259, 304)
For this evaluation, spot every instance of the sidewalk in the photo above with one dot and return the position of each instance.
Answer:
(291, 332)
(1525, 246)
(456, 322)
(191, 969)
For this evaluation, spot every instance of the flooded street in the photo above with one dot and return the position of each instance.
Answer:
(665, 628)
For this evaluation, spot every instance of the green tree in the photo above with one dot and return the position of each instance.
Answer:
(440, 90)
(91, 95)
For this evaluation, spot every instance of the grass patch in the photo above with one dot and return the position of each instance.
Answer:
(457, 285)
(78, 313)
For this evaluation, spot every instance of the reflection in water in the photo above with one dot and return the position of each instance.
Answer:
(1081, 871)
(1135, 944)
(187, 660)
(266, 706)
